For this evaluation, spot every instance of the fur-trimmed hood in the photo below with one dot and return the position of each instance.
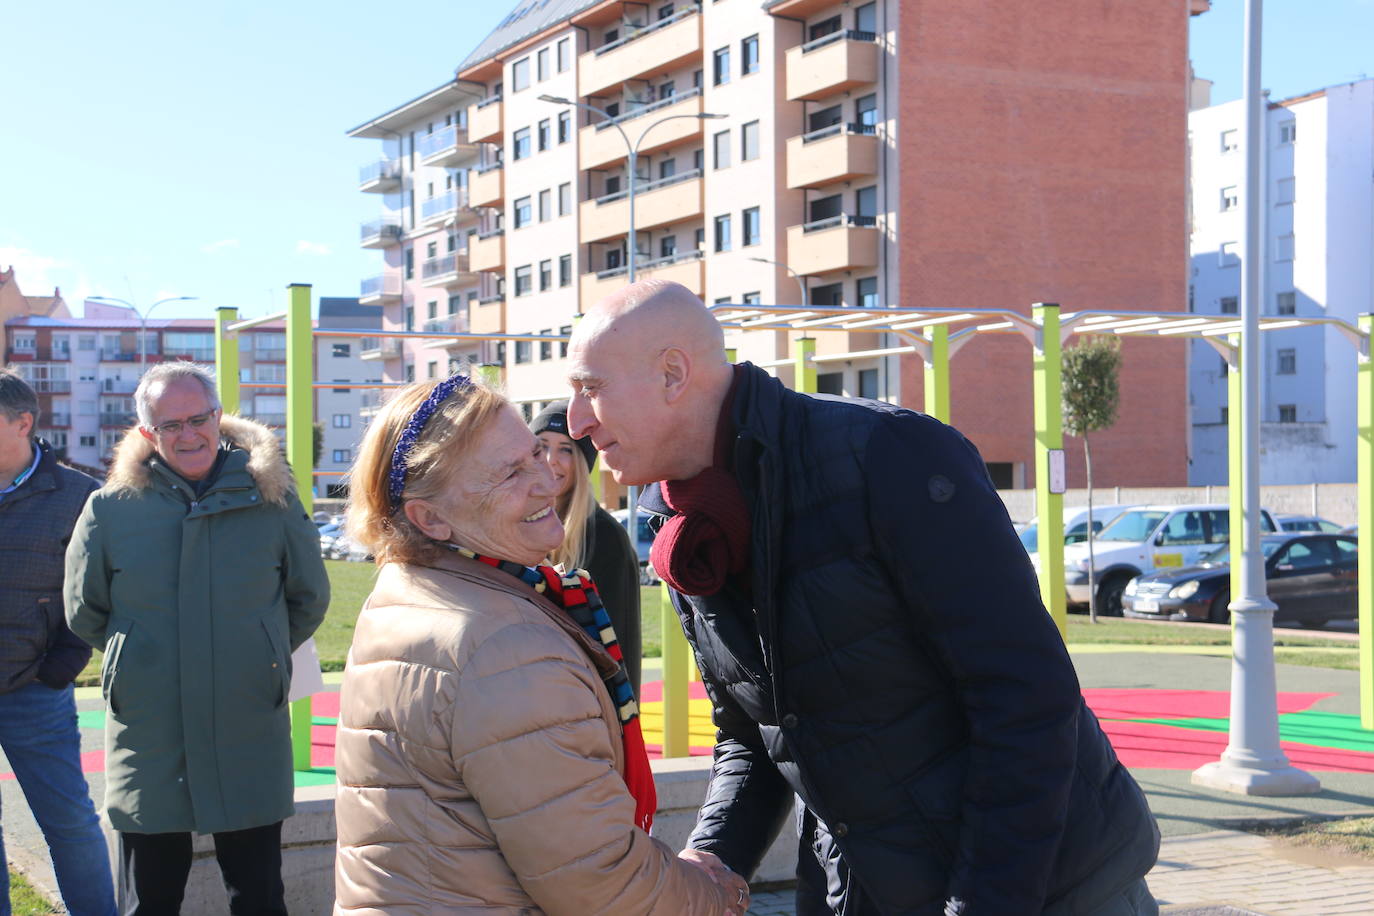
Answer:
(130, 472)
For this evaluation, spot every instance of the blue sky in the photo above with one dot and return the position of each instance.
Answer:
(159, 149)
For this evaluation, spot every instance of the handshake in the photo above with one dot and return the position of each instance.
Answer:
(736, 888)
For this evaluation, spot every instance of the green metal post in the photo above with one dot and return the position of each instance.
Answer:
(227, 359)
(937, 373)
(675, 675)
(300, 454)
(1365, 494)
(731, 355)
(1049, 436)
(1235, 464)
(804, 374)
(490, 374)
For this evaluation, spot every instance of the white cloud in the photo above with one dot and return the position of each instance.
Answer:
(38, 274)
(304, 247)
(221, 245)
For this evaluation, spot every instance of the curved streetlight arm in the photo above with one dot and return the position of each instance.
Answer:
(805, 303)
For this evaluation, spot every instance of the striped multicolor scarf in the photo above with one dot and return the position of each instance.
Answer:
(576, 593)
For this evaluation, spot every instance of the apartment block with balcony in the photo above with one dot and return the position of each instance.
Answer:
(344, 413)
(853, 155)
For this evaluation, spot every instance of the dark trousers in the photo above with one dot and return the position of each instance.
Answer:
(153, 868)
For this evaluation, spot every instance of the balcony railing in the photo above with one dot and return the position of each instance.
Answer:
(633, 32)
(639, 110)
(490, 234)
(379, 348)
(50, 385)
(489, 167)
(269, 354)
(644, 187)
(118, 385)
(438, 141)
(843, 219)
(194, 354)
(842, 35)
(490, 100)
(443, 205)
(380, 287)
(835, 130)
(118, 418)
(109, 355)
(642, 263)
(56, 419)
(380, 232)
(445, 266)
(491, 300)
(453, 324)
(374, 175)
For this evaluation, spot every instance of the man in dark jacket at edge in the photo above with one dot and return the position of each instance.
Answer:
(40, 657)
(920, 708)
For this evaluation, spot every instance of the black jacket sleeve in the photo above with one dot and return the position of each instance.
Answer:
(615, 570)
(65, 658)
(951, 552)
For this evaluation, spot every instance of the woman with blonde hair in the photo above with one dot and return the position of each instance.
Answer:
(489, 755)
(592, 539)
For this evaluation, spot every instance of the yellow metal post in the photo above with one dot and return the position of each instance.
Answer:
(731, 355)
(937, 373)
(227, 359)
(300, 454)
(490, 374)
(675, 678)
(804, 370)
(1365, 494)
(1049, 436)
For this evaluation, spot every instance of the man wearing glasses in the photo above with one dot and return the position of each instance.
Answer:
(197, 571)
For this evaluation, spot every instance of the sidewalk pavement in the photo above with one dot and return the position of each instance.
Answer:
(1205, 862)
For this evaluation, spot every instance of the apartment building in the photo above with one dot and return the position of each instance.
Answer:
(854, 154)
(343, 412)
(1318, 216)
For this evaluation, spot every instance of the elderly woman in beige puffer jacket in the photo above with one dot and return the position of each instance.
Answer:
(489, 758)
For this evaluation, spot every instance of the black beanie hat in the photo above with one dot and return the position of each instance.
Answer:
(554, 418)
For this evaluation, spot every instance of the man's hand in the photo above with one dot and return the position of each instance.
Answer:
(735, 887)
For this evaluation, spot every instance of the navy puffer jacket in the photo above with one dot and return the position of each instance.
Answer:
(891, 663)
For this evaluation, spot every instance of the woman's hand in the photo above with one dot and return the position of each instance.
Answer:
(735, 887)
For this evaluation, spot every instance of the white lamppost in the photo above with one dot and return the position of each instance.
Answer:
(142, 321)
(805, 299)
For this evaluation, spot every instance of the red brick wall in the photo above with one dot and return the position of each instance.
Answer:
(1044, 159)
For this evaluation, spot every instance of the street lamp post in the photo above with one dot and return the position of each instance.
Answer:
(805, 299)
(142, 322)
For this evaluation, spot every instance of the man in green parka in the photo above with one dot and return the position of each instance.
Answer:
(197, 571)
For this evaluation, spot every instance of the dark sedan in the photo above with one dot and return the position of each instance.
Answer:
(1312, 578)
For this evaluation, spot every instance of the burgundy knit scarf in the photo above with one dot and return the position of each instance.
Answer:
(707, 541)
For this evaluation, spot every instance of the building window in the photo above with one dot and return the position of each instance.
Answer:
(723, 233)
(545, 346)
(699, 238)
(85, 341)
(343, 421)
(1288, 413)
(1285, 248)
(410, 318)
(342, 350)
(749, 55)
(565, 270)
(1287, 303)
(522, 351)
(749, 141)
(1230, 141)
(565, 198)
(545, 276)
(720, 67)
(1230, 198)
(867, 110)
(698, 159)
(1284, 191)
(754, 298)
(721, 150)
(520, 75)
(343, 455)
(1230, 305)
(868, 292)
(565, 332)
(1288, 131)
(545, 205)
(1288, 362)
(541, 70)
(667, 246)
(410, 264)
(521, 140)
(523, 280)
(341, 381)
(564, 126)
(521, 212)
(752, 227)
(868, 384)
(1229, 254)
(542, 135)
(564, 54)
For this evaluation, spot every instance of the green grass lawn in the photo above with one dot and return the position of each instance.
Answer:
(351, 583)
(24, 900)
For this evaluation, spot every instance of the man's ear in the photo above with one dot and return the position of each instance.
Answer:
(677, 371)
(424, 516)
(147, 433)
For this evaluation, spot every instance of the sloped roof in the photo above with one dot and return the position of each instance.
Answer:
(529, 17)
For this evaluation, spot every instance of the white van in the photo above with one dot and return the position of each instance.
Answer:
(1143, 540)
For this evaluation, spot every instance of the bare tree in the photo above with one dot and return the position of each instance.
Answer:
(1091, 394)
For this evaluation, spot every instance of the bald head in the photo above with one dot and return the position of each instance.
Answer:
(648, 374)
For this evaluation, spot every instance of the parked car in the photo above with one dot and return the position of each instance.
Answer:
(1145, 539)
(1075, 526)
(1312, 578)
(1313, 523)
(643, 543)
(330, 533)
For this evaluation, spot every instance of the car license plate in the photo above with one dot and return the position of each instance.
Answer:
(1147, 604)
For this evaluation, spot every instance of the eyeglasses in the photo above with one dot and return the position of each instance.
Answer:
(174, 427)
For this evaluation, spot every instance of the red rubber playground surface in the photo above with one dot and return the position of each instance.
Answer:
(1150, 728)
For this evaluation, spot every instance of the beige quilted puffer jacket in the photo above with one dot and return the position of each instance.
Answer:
(479, 760)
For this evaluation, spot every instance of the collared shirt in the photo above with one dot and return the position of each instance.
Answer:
(26, 474)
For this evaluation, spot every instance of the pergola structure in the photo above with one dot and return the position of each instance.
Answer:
(936, 335)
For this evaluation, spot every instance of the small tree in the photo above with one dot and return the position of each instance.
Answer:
(1091, 395)
(317, 442)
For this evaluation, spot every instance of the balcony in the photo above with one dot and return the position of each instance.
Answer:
(655, 48)
(445, 147)
(442, 209)
(56, 421)
(600, 143)
(446, 270)
(485, 122)
(382, 348)
(381, 233)
(118, 385)
(117, 419)
(269, 355)
(831, 64)
(381, 176)
(380, 290)
(488, 251)
(488, 186)
(657, 203)
(831, 154)
(488, 316)
(118, 355)
(50, 385)
(838, 243)
(686, 268)
(453, 324)
(23, 354)
(192, 354)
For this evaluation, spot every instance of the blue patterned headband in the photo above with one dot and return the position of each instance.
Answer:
(396, 479)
